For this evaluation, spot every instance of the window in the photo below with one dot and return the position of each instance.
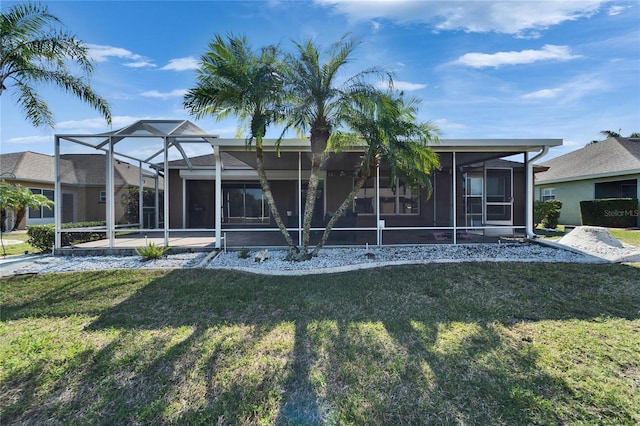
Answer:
(244, 203)
(617, 189)
(548, 194)
(395, 197)
(42, 212)
(102, 198)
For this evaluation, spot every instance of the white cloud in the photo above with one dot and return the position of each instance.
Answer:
(99, 123)
(548, 52)
(520, 18)
(444, 124)
(616, 10)
(100, 53)
(543, 94)
(576, 89)
(140, 64)
(177, 93)
(407, 86)
(182, 64)
(30, 139)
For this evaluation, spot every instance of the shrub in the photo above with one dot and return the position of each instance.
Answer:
(547, 213)
(243, 253)
(151, 251)
(41, 237)
(610, 212)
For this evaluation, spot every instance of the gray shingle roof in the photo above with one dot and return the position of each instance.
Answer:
(609, 157)
(75, 169)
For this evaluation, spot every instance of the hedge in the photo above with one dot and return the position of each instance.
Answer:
(42, 237)
(610, 212)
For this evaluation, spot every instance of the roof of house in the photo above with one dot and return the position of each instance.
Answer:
(611, 157)
(75, 169)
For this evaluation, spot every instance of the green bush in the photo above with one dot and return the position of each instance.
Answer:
(243, 253)
(41, 237)
(547, 213)
(610, 212)
(151, 251)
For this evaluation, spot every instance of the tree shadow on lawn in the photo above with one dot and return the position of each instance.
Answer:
(430, 344)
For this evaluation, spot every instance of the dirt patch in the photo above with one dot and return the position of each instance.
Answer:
(599, 242)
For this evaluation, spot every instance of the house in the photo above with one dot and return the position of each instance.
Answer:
(607, 169)
(82, 185)
(479, 192)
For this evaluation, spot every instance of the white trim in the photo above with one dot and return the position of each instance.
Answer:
(589, 177)
(246, 174)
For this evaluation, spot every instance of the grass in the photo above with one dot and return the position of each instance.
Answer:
(627, 236)
(20, 248)
(631, 237)
(468, 343)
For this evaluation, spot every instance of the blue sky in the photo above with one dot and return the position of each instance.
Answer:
(483, 69)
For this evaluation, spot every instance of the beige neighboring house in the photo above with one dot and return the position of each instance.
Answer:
(607, 169)
(83, 188)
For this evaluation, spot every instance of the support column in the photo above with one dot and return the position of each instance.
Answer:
(110, 214)
(299, 199)
(184, 203)
(454, 176)
(57, 195)
(166, 192)
(218, 196)
(378, 229)
(141, 198)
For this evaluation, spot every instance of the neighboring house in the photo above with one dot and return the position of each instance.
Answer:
(475, 191)
(83, 185)
(607, 169)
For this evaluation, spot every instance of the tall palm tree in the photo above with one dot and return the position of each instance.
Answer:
(33, 50)
(385, 124)
(235, 79)
(318, 95)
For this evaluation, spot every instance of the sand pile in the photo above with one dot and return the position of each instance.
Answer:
(599, 242)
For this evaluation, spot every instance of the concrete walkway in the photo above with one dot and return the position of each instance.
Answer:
(9, 265)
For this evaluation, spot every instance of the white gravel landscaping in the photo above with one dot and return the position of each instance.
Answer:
(328, 260)
(344, 259)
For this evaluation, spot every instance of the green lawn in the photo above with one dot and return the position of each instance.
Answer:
(21, 248)
(466, 343)
(627, 236)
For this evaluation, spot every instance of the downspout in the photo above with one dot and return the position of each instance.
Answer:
(529, 199)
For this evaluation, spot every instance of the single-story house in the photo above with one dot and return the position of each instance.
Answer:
(606, 169)
(82, 185)
(479, 191)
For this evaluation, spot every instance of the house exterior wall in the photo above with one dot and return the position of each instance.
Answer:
(571, 193)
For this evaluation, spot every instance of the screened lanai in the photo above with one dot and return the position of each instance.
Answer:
(171, 183)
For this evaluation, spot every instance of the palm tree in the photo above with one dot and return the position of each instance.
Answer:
(386, 125)
(235, 79)
(610, 133)
(19, 199)
(318, 99)
(33, 50)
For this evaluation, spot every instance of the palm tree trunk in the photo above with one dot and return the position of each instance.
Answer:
(19, 215)
(266, 189)
(347, 201)
(310, 202)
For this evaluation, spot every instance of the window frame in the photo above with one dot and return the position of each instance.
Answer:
(397, 196)
(547, 194)
(42, 212)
